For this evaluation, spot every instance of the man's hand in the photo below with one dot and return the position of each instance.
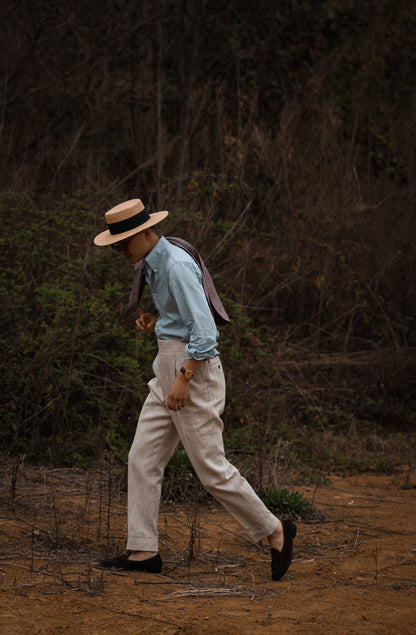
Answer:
(146, 321)
(178, 393)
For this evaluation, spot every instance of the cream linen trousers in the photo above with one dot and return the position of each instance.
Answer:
(199, 427)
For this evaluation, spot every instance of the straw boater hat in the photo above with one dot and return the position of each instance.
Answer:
(125, 220)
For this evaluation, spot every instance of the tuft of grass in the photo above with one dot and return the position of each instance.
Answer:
(284, 503)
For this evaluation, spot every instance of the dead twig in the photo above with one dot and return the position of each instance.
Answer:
(210, 592)
(356, 538)
(141, 616)
(234, 533)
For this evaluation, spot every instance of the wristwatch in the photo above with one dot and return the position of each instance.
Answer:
(188, 373)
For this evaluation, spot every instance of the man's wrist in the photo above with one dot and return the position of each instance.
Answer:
(188, 374)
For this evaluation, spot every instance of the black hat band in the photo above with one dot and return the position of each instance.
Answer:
(129, 223)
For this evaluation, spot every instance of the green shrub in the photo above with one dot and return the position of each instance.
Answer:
(74, 371)
(284, 503)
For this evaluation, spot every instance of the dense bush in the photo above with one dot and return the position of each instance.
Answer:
(281, 138)
(73, 373)
(75, 370)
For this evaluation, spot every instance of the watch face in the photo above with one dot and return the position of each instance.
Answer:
(187, 373)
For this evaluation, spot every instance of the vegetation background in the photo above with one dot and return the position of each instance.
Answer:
(281, 136)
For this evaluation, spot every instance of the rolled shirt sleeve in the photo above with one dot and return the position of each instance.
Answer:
(185, 286)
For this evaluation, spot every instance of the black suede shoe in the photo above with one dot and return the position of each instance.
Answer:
(281, 559)
(151, 565)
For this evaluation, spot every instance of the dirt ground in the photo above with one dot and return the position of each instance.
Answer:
(353, 572)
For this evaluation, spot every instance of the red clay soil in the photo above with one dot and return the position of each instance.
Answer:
(354, 572)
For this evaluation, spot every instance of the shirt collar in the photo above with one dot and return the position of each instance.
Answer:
(153, 258)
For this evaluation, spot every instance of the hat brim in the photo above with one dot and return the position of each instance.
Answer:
(105, 238)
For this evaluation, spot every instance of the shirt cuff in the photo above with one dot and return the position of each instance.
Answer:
(192, 353)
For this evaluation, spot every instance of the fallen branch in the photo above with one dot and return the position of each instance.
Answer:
(141, 616)
(210, 592)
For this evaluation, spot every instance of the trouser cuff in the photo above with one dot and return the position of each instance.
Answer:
(267, 530)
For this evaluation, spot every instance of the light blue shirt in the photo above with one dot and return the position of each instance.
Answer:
(175, 282)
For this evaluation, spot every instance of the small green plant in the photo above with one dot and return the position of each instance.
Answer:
(385, 466)
(283, 502)
(179, 465)
(180, 482)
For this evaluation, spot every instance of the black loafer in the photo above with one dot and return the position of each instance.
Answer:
(151, 565)
(281, 559)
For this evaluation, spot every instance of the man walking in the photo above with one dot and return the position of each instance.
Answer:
(186, 396)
